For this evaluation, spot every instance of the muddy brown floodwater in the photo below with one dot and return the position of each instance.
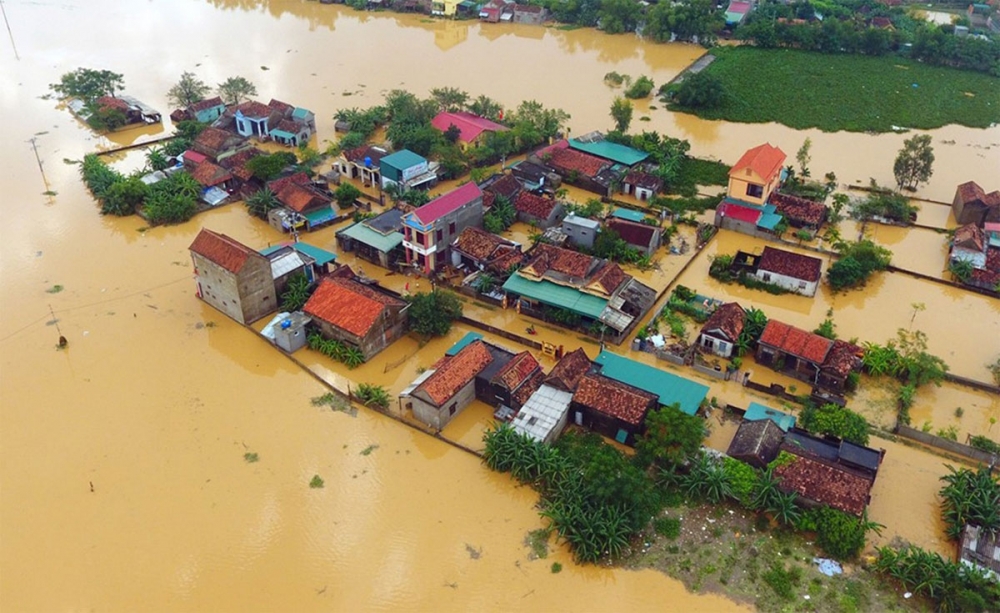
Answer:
(124, 484)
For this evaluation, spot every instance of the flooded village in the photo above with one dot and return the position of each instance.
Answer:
(294, 398)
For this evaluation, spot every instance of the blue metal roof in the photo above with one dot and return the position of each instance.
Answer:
(669, 387)
(402, 159)
(757, 412)
(628, 215)
(470, 337)
(322, 256)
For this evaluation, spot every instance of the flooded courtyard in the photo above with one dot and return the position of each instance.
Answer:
(124, 479)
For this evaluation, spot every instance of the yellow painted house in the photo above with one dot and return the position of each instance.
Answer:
(444, 7)
(756, 174)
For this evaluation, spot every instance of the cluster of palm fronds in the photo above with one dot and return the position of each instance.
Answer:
(952, 586)
(351, 356)
(970, 497)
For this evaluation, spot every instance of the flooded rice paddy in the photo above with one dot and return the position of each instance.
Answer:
(124, 479)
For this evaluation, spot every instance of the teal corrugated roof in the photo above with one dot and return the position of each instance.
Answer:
(610, 151)
(300, 113)
(281, 133)
(757, 412)
(465, 340)
(403, 159)
(669, 387)
(555, 295)
(363, 234)
(322, 215)
(322, 256)
(629, 215)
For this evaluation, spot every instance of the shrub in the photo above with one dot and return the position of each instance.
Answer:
(431, 314)
(783, 581)
(316, 482)
(840, 535)
(640, 88)
(970, 497)
(837, 421)
(667, 527)
(374, 396)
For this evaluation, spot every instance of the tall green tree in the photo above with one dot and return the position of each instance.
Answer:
(450, 98)
(187, 91)
(836, 421)
(88, 84)
(671, 437)
(431, 314)
(915, 162)
(701, 91)
(484, 106)
(261, 203)
(803, 157)
(346, 194)
(235, 90)
(621, 112)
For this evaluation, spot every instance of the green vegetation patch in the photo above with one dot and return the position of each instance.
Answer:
(803, 90)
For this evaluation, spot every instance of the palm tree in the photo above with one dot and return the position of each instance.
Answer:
(784, 509)
(353, 357)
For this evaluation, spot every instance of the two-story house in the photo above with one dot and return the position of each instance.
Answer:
(232, 277)
(429, 231)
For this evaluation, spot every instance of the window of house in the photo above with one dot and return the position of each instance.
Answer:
(755, 190)
(802, 284)
(440, 235)
(451, 228)
(766, 277)
(452, 408)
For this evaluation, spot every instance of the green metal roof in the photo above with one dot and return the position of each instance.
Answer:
(465, 340)
(403, 159)
(282, 133)
(300, 113)
(610, 151)
(628, 215)
(322, 215)
(555, 295)
(322, 256)
(363, 234)
(769, 217)
(758, 412)
(669, 387)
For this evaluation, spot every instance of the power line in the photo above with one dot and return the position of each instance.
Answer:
(9, 32)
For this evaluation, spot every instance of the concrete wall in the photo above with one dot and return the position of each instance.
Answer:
(738, 187)
(578, 235)
(438, 417)
(716, 345)
(806, 288)
(246, 297)
(387, 330)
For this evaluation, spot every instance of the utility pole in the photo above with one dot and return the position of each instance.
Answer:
(63, 343)
(41, 169)
(3, 10)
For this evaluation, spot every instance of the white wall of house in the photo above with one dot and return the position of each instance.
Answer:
(716, 345)
(438, 417)
(806, 288)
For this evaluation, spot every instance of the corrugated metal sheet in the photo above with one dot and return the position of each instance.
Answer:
(542, 412)
(560, 296)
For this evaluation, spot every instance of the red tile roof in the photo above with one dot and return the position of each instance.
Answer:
(358, 154)
(300, 198)
(528, 388)
(568, 371)
(206, 104)
(448, 203)
(517, 370)
(110, 102)
(228, 253)
(488, 198)
(456, 373)
(277, 185)
(608, 278)
(507, 186)
(990, 275)
(632, 232)
(478, 244)
(727, 318)
(282, 107)
(613, 398)
(214, 138)
(536, 206)
(843, 358)
(548, 257)
(645, 180)
(970, 191)
(796, 342)
(569, 160)
(470, 126)
(790, 264)
(970, 236)
(254, 109)
(237, 163)
(740, 213)
(505, 257)
(287, 125)
(824, 483)
(194, 157)
(764, 160)
(347, 305)
(799, 210)
(208, 174)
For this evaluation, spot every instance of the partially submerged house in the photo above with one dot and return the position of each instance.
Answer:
(720, 333)
(203, 111)
(820, 361)
(477, 249)
(133, 110)
(756, 442)
(545, 413)
(753, 183)
(800, 212)
(378, 240)
(973, 205)
(217, 144)
(757, 412)
(306, 202)
(530, 14)
(232, 277)
(611, 408)
(500, 185)
(595, 144)
(580, 231)
(978, 550)
(535, 177)
(538, 210)
(586, 171)
(429, 230)
(246, 183)
(216, 182)
(362, 163)
(471, 128)
(591, 289)
(323, 261)
(367, 317)
(756, 174)
(641, 236)
(286, 262)
(793, 271)
(980, 248)
(643, 185)
(669, 389)
(407, 170)
(442, 392)
(276, 120)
